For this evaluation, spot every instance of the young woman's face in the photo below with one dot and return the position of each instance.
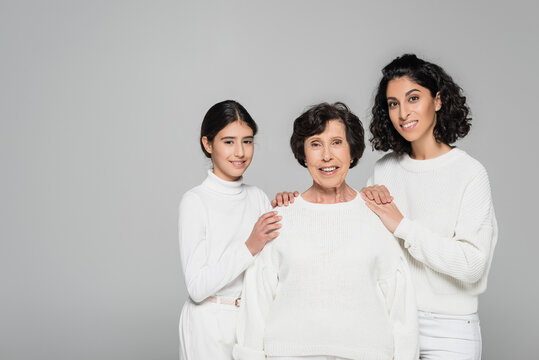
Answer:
(412, 109)
(231, 150)
(327, 155)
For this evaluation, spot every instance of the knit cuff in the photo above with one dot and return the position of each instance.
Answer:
(245, 255)
(403, 231)
(242, 353)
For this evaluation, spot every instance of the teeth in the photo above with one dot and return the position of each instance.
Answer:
(328, 169)
(409, 124)
(237, 162)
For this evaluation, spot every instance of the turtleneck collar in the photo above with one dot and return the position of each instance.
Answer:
(430, 164)
(217, 184)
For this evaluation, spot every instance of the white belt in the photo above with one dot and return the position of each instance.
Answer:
(224, 300)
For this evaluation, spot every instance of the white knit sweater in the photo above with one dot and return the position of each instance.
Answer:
(334, 283)
(215, 220)
(449, 227)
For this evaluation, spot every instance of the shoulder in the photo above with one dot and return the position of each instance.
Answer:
(466, 164)
(192, 199)
(388, 158)
(387, 162)
(254, 191)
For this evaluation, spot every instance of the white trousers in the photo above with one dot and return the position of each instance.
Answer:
(449, 337)
(305, 358)
(207, 331)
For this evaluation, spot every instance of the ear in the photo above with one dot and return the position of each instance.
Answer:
(437, 102)
(207, 144)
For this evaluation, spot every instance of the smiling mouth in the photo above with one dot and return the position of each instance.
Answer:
(409, 125)
(329, 170)
(238, 164)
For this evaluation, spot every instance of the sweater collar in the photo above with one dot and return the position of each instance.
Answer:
(217, 184)
(430, 164)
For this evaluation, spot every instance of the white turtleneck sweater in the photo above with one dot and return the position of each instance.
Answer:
(449, 229)
(215, 220)
(333, 283)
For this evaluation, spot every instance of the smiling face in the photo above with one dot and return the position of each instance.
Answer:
(412, 109)
(231, 150)
(327, 155)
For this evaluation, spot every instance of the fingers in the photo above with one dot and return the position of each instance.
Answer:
(378, 193)
(267, 215)
(273, 203)
(271, 227)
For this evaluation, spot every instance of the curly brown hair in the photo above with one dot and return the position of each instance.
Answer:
(452, 120)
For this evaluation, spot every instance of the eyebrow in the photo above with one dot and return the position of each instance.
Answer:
(411, 91)
(235, 137)
(407, 93)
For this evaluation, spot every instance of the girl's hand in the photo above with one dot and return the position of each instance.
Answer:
(263, 232)
(284, 198)
(389, 213)
(377, 193)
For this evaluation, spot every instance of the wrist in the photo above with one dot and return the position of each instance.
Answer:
(252, 249)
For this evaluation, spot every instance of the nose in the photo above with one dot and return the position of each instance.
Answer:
(238, 150)
(326, 155)
(404, 111)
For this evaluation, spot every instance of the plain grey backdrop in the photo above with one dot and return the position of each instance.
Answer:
(100, 108)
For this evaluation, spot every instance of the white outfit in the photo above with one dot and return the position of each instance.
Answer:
(334, 283)
(215, 220)
(449, 229)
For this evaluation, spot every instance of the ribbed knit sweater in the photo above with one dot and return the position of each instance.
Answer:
(335, 283)
(215, 219)
(449, 229)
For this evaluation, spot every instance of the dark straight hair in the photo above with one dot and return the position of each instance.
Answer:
(219, 116)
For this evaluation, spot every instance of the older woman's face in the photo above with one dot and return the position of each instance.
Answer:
(327, 155)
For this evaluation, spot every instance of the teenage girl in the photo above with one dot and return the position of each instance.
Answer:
(216, 234)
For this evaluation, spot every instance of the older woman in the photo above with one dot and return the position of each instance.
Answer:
(334, 284)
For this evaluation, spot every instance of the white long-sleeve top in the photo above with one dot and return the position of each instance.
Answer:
(335, 283)
(215, 220)
(449, 229)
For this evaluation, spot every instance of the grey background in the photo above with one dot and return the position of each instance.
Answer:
(100, 108)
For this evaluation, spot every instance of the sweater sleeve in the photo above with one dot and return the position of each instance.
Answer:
(467, 254)
(400, 301)
(203, 279)
(259, 287)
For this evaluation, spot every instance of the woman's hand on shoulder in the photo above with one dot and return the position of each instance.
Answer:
(377, 193)
(284, 198)
(263, 232)
(388, 213)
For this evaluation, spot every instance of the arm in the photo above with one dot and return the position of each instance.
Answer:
(400, 301)
(202, 279)
(466, 254)
(259, 285)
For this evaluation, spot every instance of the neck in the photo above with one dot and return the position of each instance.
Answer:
(324, 195)
(428, 148)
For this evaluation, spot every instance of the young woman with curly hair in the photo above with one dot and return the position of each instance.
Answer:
(435, 199)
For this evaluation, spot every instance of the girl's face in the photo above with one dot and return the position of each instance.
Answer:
(412, 109)
(327, 155)
(231, 150)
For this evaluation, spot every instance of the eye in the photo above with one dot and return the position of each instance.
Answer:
(247, 141)
(337, 142)
(392, 104)
(315, 144)
(413, 98)
(229, 142)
